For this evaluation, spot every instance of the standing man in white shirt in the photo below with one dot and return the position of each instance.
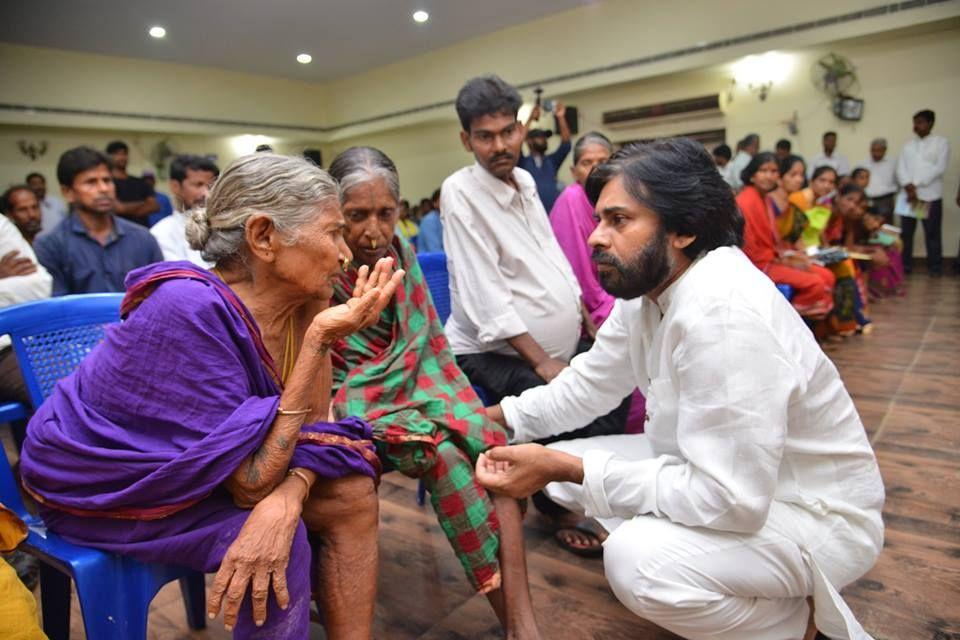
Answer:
(191, 178)
(754, 487)
(52, 208)
(920, 170)
(882, 188)
(829, 157)
(516, 308)
(746, 149)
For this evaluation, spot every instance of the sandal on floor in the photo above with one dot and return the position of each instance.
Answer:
(588, 528)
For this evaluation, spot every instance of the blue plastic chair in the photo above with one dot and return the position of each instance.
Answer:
(434, 267)
(50, 338)
(786, 290)
(11, 412)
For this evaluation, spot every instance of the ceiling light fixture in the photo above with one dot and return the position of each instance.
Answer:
(420, 16)
(157, 32)
(304, 58)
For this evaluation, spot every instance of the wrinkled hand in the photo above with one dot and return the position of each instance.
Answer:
(550, 368)
(371, 295)
(260, 553)
(560, 110)
(13, 264)
(522, 470)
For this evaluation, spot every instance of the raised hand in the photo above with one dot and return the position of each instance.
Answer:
(371, 295)
(13, 264)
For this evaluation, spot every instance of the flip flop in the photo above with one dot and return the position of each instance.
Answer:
(587, 527)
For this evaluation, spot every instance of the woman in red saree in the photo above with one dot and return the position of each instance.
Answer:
(812, 284)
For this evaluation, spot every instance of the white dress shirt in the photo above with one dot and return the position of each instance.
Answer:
(17, 289)
(171, 235)
(734, 168)
(52, 211)
(838, 161)
(743, 407)
(883, 178)
(508, 275)
(922, 164)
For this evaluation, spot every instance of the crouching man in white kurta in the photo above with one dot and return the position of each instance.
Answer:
(754, 489)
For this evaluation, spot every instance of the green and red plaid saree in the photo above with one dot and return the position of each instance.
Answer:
(428, 423)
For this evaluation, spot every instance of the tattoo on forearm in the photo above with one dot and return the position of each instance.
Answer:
(253, 470)
(322, 350)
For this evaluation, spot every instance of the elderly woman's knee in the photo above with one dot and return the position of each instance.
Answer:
(350, 499)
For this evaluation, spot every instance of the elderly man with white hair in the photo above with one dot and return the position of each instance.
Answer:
(882, 188)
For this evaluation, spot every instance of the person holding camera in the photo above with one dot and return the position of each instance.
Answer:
(541, 165)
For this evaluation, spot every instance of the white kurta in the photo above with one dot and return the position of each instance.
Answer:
(508, 274)
(838, 161)
(17, 289)
(749, 430)
(922, 163)
(171, 235)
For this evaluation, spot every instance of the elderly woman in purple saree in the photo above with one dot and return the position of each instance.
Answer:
(195, 434)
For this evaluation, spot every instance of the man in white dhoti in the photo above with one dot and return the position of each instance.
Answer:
(754, 487)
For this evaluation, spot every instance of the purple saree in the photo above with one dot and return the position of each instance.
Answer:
(130, 451)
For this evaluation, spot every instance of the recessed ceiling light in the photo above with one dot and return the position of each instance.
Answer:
(304, 58)
(158, 32)
(420, 16)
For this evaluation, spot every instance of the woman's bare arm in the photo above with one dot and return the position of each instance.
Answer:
(265, 468)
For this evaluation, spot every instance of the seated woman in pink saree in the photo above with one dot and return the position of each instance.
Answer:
(196, 433)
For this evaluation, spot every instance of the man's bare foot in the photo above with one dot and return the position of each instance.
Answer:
(579, 535)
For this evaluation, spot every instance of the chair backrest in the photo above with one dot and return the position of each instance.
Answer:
(434, 266)
(51, 337)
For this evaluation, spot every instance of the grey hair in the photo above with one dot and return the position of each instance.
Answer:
(880, 141)
(287, 189)
(358, 165)
(591, 137)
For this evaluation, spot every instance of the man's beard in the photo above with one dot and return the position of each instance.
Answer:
(647, 271)
(31, 228)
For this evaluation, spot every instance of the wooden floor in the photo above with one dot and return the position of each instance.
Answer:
(904, 379)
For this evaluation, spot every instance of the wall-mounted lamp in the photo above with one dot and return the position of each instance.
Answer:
(759, 73)
(31, 149)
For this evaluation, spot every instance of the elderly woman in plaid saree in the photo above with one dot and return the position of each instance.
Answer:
(401, 376)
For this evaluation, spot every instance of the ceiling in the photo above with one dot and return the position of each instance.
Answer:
(264, 37)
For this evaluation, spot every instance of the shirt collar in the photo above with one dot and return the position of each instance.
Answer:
(77, 227)
(665, 299)
(499, 189)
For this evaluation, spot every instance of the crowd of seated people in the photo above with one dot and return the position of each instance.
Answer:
(317, 360)
(826, 232)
